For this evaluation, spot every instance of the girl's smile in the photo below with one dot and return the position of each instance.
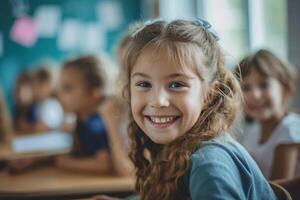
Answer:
(162, 121)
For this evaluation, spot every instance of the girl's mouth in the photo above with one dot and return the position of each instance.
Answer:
(162, 121)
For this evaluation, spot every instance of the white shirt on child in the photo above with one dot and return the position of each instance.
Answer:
(51, 113)
(288, 131)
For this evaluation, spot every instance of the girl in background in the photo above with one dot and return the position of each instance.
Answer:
(268, 85)
(183, 102)
(82, 85)
(23, 114)
(47, 111)
(116, 113)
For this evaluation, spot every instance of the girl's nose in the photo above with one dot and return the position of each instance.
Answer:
(159, 99)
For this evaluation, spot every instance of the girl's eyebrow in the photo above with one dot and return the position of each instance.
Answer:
(180, 75)
(168, 76)
(140, 74)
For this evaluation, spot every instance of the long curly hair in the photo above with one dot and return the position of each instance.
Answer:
(160, 168)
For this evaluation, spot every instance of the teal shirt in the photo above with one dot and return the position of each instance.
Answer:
(223, 169)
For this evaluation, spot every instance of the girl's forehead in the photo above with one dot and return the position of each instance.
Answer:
(168, 56)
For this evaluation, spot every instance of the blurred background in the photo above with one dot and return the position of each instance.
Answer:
(46, 32)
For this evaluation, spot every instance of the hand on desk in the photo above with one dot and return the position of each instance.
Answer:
(97, 164)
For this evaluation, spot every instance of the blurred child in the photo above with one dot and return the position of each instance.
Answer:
(183, 101)
(82, 85)
(268, 86)
(47, 111)
(115, 112)
(23, 113)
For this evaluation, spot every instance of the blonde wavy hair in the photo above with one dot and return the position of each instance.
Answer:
(160, 168)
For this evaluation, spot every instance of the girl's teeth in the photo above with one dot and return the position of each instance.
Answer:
(161, 119)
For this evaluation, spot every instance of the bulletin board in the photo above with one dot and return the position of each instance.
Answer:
(82, 26)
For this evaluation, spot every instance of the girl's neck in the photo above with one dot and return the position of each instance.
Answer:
(268, 126)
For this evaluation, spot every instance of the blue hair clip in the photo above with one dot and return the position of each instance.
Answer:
(207, 26)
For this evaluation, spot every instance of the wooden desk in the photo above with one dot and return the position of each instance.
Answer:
(48, 181)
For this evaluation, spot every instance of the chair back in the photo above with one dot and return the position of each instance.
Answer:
(285, 161)
(280, 192)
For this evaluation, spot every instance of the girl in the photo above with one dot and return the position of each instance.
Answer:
(82, 85)
(23, 114)
(268, 85)
(183, 101)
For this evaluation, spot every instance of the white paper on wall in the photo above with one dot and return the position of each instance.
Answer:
(94, 38)
(47, 18)
(110, 14)
(69, 36)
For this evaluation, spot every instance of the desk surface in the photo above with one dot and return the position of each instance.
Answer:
(50, 181)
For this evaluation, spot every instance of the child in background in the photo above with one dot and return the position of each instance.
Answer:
(23, 114)
(115, 112)
(47, 111)
(82, 86)
(268, 86)
(183, 101)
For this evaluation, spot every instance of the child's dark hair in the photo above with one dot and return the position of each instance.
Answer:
(42, 75)
(268, 64)
(91, 70)
(185, 43)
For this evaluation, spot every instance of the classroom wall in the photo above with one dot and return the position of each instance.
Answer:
(294, 42)
(15, 57)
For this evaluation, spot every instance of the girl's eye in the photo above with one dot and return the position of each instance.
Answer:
(176, 85)
(143, 84)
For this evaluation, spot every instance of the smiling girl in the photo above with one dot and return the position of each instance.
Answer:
(183, 101)
(268, 85)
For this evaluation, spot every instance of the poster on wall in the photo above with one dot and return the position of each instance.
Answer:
(24, 31)
(69, 36)
(47, 19)
(93, 38)
(110, 14)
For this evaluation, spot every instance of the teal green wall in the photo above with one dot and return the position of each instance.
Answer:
(17, 58)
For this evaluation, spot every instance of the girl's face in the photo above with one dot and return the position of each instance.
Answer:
(166, 101)
(74, 95)
(263, 96)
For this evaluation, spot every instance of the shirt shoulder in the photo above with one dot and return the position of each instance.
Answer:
(224, 170)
